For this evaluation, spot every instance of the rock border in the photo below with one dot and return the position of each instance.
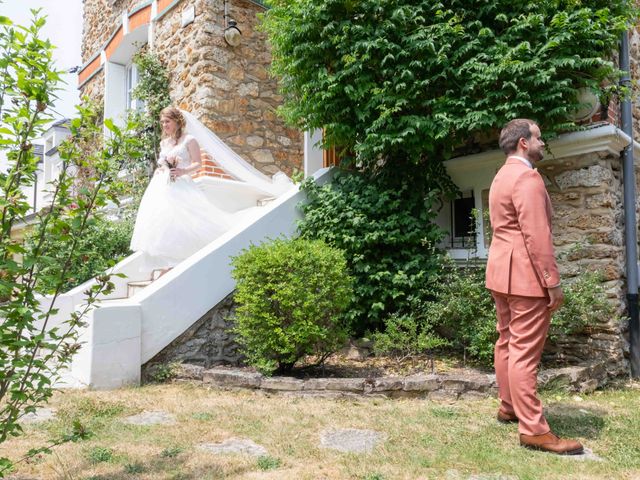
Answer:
(447, 387)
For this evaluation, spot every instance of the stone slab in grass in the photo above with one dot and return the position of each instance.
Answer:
(351, 440)
(230, 378)
(587, 455)
(288, 384)
(156, 417)
(355, 385)
(235, 445)
(40, 415)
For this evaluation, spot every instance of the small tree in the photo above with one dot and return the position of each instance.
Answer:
(32, 352)
(290, 296)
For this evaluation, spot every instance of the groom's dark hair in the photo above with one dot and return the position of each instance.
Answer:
(512, 132)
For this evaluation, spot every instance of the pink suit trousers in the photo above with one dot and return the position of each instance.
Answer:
(523, 323)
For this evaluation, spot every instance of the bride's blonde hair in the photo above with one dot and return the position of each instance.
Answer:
(172, 113)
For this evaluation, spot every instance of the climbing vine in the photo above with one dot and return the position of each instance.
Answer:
(395, 79)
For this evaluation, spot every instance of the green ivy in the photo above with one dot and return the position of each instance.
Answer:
(415, 78)
(384, 225)
(153, 91)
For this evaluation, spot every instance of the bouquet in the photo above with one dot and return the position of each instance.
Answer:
(171, 162)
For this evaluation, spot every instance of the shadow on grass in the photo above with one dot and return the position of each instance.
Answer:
(573, 421)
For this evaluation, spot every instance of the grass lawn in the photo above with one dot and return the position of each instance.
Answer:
(424, 440)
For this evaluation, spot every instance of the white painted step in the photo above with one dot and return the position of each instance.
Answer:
(135, 287)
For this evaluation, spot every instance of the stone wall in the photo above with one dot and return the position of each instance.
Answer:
(207, 343)
(586, 193)
(101, 18)
(227, 88)
(94, 89)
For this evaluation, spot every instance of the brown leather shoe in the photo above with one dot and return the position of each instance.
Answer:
(548, 442)
(506, 417)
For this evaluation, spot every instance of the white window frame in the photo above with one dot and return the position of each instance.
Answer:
(131, 81)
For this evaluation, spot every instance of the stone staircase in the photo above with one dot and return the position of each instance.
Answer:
(148, 310)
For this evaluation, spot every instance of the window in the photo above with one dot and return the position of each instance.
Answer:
(462, 221)
(131, 77)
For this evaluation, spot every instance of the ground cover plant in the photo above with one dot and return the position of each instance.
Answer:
(425, 439)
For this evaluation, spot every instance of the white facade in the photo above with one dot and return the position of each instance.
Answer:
(40, 192)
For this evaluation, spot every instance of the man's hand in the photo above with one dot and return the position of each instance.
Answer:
(556, 297)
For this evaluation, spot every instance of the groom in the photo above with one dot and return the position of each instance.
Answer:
(523, 278)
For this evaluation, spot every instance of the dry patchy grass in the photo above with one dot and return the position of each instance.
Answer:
(425, 440)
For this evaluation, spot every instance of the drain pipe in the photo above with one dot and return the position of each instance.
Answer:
(631, 243)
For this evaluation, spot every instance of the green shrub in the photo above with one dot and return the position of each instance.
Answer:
(290, 295)
(104, 243)
(405, 336)
(386, 229)
(585, 304)
(464, 312)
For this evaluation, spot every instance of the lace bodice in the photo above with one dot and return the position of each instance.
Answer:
(180, 150)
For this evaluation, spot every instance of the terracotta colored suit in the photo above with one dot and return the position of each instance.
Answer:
(521, 266)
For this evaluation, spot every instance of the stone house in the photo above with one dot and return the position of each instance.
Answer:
(583, 175)
(226, 86)
(229, 89)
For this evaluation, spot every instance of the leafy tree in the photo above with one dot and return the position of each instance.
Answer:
(389, 79)
(32, 351)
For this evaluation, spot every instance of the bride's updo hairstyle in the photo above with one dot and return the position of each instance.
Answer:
(172, 113)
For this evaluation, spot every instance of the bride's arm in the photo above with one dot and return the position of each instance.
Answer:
(196, 160)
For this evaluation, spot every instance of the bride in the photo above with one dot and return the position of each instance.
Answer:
(175, 219)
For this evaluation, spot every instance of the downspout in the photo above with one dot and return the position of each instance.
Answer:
(630, 231)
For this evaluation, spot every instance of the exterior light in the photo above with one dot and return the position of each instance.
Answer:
(589, 105)
(232, 34)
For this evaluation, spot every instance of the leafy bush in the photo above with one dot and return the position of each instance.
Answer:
(104, 243)
(290, 296)
(385, 228)
(585, 304)
(423, 77)
(464, 312)
(406, 335)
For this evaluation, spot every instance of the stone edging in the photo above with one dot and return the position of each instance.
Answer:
(585, 378)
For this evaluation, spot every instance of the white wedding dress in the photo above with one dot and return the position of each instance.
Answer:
(175, 219)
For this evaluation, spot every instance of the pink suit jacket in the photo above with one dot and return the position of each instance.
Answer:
(521, 256)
